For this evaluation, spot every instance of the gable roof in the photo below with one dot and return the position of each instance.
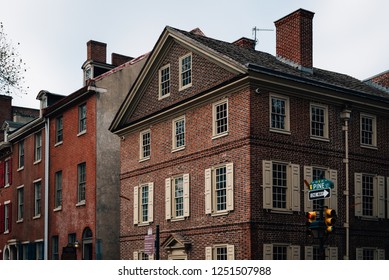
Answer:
(244, 61)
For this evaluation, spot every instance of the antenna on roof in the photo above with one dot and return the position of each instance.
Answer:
(255, 29)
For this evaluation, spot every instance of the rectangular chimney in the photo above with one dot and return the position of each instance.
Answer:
(96, 51)
(294, 43)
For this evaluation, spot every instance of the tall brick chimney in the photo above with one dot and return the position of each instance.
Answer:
(96, 51)
(294, 44)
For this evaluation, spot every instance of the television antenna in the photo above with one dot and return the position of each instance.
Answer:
(255, 29)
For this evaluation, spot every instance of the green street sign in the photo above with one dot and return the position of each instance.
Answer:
(321, 184)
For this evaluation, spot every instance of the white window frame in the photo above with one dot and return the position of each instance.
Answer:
(373, 132)
(292, 187)
(58, 130)
(379, 254)
(292, 251)
(21, 155)
(82, 119)
(38, 147)
(58, 190)
(286, 128)
(141, 255)
(211, 192)
(81, 183)
(20, 200)
(325, 135)
(37, 198)
(7, 205)
(161, 82)
(331, 253)
(142, 147)
(181, 86)
(170, 202)
(215, 119)
(138, 204)
(7, 172)
(211, 251)
(174, 134)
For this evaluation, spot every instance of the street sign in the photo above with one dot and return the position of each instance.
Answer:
(321, 184)
(149, 244)
(319, 194)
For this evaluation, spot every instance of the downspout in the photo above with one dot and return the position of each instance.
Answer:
(46, 216)
(345, 115)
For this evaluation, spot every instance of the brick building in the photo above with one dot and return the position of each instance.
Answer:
(59, 196)
(217, 140)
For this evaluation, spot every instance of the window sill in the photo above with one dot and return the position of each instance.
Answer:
(81, 203)
(369, 218)
(6, 232)
(144, 159)
(371, 147)
(322, 139)
(143, 224)
(281, 211)
(178, 219)
(59, 208)
(281, 131)
(215, 214)
(37, 161)
(178, 149)
(36, 217)
(163, 97)
(219, 135)
(81, 133)
(58, 144)
(20, 169)
(19, 221)
(6, 186)
(181, 88)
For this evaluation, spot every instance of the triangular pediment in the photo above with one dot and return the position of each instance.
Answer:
(175, 241)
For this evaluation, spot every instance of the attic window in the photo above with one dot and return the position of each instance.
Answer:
(185, 71)
(164, 81)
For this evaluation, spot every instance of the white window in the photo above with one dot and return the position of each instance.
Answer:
(220, 118)
(37, 198)
(81, 178)
(370, 196)
(319, 121)
(21, 155)
(58, 190)
(220, 252)
(368, 131)
(312, 173)
(370, 254)
(143, 203)
(141, 255)
(177, 197)
(59, 130)
(219, 189)
(20, 197)
(82, 118)
(145, 144)
(7, 217)
(281, 186)
(164, 81)
(185, 71)
(38, 146)
(279, 113)
(179, 133)
(313, 253)
(281, 252)
(7, 172)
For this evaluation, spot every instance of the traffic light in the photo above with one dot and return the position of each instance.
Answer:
(329, 219)
(311, 222)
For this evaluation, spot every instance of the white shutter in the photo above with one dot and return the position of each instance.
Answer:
(294, 252)
(380, 254)
(208, 191)
(267, 184)
(308, 176)
(208, 253)
(333, 200)
(308, 251)
(380, 195)
(136, 210)
(151, 202)
(230, 186)
(331, 253)
(230, 252)
(268, 251)
(295, 187)
(168, 194)
(135, 255)
(186, 195)
(359, 255)
(358, 194)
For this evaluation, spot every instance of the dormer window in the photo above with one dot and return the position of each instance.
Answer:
(88, 73)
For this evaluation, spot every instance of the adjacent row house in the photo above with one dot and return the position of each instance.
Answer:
(218, 140)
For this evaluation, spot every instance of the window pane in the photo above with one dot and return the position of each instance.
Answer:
(180, 133)
(278, 113)
(144, 202)
(367, 131)
(279, 185)
(221, 188)
(81, 181)
(317, 121)
(186, 70)
(221, 118)
(179, 196)
(367, 195)
(165, 81)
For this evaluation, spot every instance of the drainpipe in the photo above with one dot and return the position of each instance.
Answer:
(345, 116)
(46, 216)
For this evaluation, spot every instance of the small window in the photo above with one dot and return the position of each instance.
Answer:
(164, 82)
(145, 144)
(179, 133)
(319, 121)
(82, 118)
(220, 252)
(7, 172)
(185, 71)
(220, 118)
(368, 131)
(58, 189)
(55, 247)
(20, 197)
(143, 203)
(21, 154)
(59, 130)
(279, 113)
(7, 217)
(81, 182)
(37, 198)
(38, 146)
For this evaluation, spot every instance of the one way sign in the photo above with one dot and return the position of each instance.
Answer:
(319, 194)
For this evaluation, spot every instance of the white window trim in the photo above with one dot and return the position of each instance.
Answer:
(211, 251)
(325, 137)
(34, 182)
(214, 126)
(141, 157)
(174, 140)
(374, 136)
(181, 87)
(137, 204)
(160, 97)
(293, 251)
(7, 161)
(7, 203)
(17, 204)
(169, 198)
(36, 161)
(286, 130)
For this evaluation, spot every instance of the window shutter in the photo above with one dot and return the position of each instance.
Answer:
(308, 176)
(359, 255)
(2, 174)
(331, 253)
(136, 210)
(2, 218)
(294, 252)
(208, 253)
(380, 254)
(267, 184)
(230, 186)
(168, 205)
(380, 197)
(333, 200)
(358, 194)
(186, 195)
(151, 203)
(308, 252)
(268, 251)
(135, 255)
(295, 187)
(208, 191)
(151, 257)
(230, 252)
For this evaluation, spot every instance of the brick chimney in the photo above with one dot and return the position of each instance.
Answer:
(119, 59)
(245, 43)
(96, 51)
(294, 42)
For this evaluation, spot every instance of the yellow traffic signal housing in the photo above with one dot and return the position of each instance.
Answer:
(311, 217)
(329, 219)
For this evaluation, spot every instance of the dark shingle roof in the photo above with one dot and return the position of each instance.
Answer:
(256, 60)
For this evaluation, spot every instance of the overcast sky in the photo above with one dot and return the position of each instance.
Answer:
(350, 36)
